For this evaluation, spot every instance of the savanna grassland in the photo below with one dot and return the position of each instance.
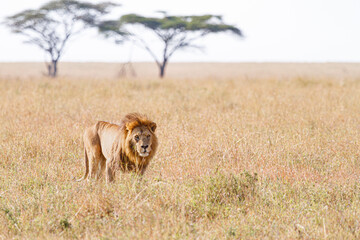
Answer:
(264, 152)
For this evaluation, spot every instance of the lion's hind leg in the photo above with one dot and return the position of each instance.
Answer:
(93, 167)
(95, 160)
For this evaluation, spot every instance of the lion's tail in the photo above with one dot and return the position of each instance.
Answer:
(86, 159)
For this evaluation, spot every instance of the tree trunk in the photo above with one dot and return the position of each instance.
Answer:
(162, 69)
(54, 68)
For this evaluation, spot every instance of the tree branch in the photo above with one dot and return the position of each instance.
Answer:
(147, 48)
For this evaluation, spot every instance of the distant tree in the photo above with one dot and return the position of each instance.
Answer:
(175, 32)
(51, 26)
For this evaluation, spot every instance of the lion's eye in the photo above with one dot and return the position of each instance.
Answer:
(137, 138)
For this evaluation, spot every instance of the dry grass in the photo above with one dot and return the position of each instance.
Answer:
(239, 158)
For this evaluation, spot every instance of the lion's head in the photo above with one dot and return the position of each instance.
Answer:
(140, 138)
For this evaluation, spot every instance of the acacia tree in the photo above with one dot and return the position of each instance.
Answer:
(52, 25)
(175, 32)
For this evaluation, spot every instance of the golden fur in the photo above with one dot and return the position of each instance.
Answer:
(129, 146)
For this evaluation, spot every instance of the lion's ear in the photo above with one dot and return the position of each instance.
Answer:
(128, 127)
(152, 126)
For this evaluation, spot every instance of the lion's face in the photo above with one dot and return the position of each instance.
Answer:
(141, 139)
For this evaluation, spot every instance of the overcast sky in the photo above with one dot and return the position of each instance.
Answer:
(276, 30)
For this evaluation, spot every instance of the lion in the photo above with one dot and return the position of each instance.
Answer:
(129, 146)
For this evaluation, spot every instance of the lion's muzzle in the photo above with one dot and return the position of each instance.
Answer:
(144, 151)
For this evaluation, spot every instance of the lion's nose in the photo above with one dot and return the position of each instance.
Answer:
(145, 147)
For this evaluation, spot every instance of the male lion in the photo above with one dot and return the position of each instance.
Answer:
(129, 146)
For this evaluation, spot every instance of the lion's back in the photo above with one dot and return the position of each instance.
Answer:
(101, 137)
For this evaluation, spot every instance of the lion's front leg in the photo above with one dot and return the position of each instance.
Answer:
(110, 171)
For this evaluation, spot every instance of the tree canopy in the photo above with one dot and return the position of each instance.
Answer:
(51, 26)
(204, 23)
(175, 32)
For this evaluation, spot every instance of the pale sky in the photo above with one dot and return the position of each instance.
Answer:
(275, 30)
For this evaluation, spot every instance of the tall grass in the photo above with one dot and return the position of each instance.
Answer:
(238, 159)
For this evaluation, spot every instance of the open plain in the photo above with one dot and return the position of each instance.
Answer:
(246, 151)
